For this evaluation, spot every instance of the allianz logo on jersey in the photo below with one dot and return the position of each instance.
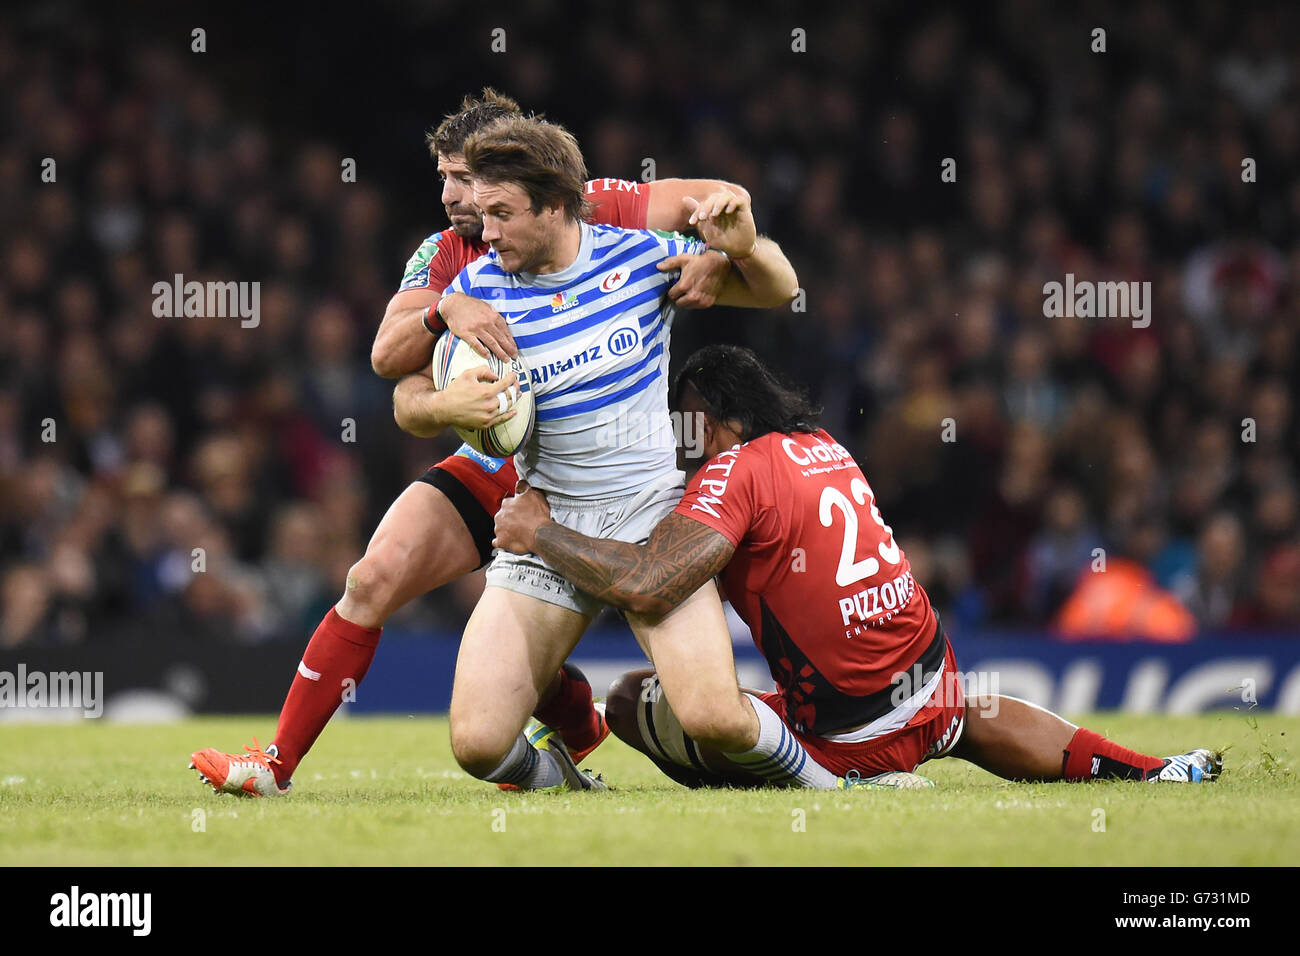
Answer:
(621, 341)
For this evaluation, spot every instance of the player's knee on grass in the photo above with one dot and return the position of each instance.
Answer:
(621, 703)
(479, 750)
(650, 726)
(720, 723)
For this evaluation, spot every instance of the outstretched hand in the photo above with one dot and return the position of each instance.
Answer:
(726, 222)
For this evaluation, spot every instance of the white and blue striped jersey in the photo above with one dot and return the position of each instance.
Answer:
(595, 339)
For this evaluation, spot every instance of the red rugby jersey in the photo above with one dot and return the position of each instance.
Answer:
(827, 593)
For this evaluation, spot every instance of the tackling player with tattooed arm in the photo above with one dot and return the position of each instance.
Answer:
(866, 677)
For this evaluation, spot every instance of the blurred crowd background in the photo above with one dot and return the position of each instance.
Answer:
(924, 298)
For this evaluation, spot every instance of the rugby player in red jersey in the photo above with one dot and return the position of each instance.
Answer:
(440, 528)
(866, 678)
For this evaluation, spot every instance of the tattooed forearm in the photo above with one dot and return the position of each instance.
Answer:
(652, 578)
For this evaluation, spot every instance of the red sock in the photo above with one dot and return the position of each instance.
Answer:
(337, 651)
(1092, 757)
(570, 712)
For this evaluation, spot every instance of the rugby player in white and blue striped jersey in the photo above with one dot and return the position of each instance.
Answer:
(588, 309)
(595, 338)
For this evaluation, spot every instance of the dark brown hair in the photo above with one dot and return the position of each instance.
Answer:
(472, 115)
(735, 385)
(542, 158)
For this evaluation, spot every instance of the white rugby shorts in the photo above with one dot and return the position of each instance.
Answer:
(623, 518)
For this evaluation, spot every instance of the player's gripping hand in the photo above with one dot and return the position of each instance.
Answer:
(701, 280)
(726, 222)
(519, 518)
(474, 321)
(477, 399)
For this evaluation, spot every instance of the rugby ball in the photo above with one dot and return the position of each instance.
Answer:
(452, 357)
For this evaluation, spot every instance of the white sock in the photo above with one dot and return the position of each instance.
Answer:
(779, 756)
(527, 767)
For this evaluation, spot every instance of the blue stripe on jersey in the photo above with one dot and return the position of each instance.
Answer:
(628, 243)
(677, 245)
(654, 333)
(603, 380)
(644, 297)
(492, 267)
(540, 312)
(638, 248)
(510, 291)
(566, 411)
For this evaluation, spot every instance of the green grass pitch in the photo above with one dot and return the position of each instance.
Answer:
(386, 791)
